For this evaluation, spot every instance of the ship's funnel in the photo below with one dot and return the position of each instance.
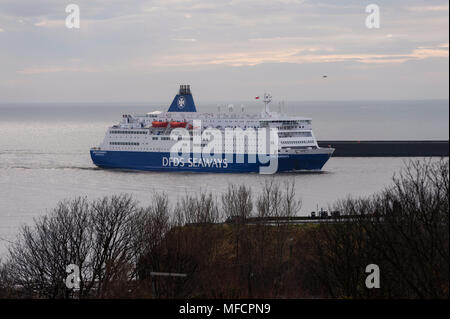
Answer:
(183, 101)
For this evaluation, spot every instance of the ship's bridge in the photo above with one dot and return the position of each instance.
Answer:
(287, 123)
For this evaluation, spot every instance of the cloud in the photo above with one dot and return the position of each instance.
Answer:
(238, 58)
(293, 55)
(186, 40)
(430, 52)
(176, 38)
(57, 69)
(429, 8)
(50, 23)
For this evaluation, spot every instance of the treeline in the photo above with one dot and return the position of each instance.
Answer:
(116, 244)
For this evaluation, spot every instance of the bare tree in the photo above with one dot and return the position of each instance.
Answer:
(184, 243)
(404, 230)
(39, 258)
(237, 202)
(94, 236)
(112, 253)
(276, 204)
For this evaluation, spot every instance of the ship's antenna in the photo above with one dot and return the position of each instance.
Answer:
(267, 100)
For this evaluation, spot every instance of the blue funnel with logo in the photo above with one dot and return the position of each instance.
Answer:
(183, 101)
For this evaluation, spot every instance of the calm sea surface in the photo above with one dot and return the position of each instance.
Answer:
(44, 155)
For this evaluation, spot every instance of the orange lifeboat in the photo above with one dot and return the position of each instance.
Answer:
(159, 124)
(177, 124)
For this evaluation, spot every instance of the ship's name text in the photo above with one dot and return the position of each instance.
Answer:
(194, 162)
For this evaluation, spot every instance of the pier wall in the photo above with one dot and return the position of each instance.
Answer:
(387, 148)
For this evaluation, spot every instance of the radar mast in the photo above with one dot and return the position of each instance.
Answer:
(267, 99)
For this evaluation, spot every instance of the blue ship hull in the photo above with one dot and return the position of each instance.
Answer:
(162, 161)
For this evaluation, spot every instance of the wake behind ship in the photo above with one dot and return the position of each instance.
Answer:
(210, 142)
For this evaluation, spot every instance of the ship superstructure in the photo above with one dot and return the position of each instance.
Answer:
(147, 142)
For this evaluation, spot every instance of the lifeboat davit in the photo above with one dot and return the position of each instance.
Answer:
(177, 124)
(159, 124)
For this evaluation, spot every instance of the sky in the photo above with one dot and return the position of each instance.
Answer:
(227, 50)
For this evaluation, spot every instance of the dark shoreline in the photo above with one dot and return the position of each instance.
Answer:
(387, 148)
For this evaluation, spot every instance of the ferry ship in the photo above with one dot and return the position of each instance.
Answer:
(147, 142)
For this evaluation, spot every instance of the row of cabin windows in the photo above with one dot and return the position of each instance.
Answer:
(123, 143)
(145, 149)
(167, 138)
(291, 122)
(288, 127)
(230, 126)
(128, 132)
(145, 132)
(296, 142)
(203, 144)
(294, 134)
(166, 149)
